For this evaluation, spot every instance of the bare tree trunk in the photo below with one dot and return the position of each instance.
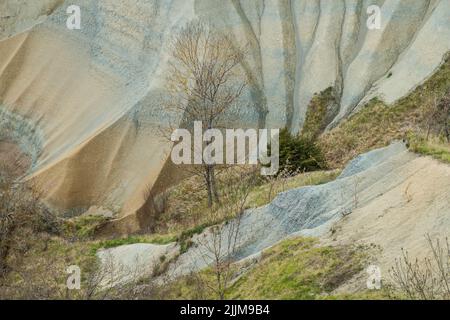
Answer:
(447, 130)
(209, 58)
(212, 174)
(208, 186)
(220, 291)
(214, 185)
(5, 245)
(3, 255)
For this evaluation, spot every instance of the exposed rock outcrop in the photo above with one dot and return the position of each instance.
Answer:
(388, 197)
(93, 93)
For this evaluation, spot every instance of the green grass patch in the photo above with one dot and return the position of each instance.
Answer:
(382, 294)
(262, 194)
(293, 269)
(83, 227)
(153, 239)
(299, 269)
(184, 240)
(42, 271)
(434, 147)
(319, 113)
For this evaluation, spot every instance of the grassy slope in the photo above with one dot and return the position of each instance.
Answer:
(194, 221)
(76, 245)
(317, 115)
(435, 148)
(293, 269)
(42, 272)
(377, 124)
(299, 269)
(260, 196)
(187, 201)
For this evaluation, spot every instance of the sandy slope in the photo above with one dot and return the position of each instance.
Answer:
(402, 216)
(85, 91)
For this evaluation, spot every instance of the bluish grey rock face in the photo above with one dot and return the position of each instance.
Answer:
(95, 93)
(17, 129)
(311, 210)
(301, 47)
(385, 197)
(130, 263)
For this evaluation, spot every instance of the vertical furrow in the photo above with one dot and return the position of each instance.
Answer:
(338, 86)
(256, 78)
(289, 55)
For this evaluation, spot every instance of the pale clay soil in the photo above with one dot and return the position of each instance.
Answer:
(400, 218)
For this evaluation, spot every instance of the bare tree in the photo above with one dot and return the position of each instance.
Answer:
(204, 83)
(99, 282)
(220, 244)
(439, 118)
(427, 279)
(277, 183)
(444, 107)
(22, 215)
(26, 226)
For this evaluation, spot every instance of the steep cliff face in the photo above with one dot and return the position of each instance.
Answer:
(302, 47)
(91, 95)
(21, 15)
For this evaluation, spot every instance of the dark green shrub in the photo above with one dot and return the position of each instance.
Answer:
(299, 154)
